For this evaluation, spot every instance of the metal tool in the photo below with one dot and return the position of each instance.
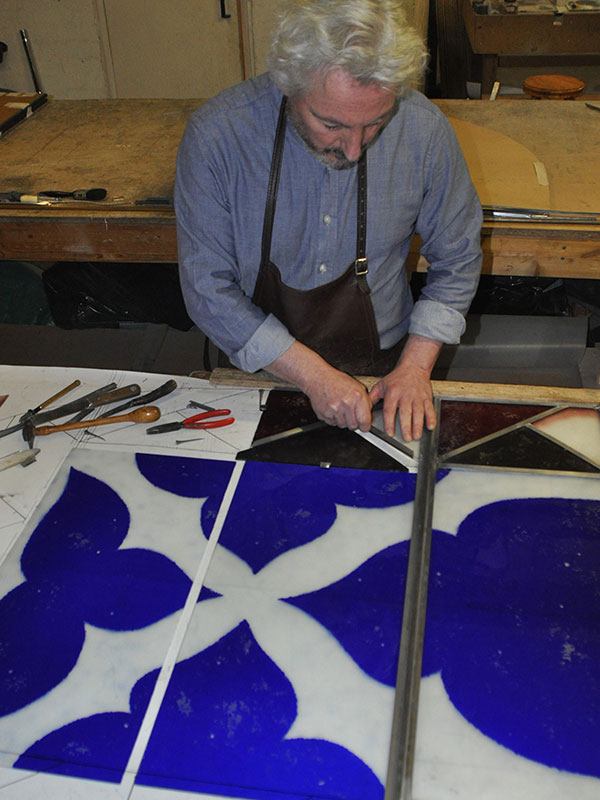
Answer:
(30, 61)
(28, 434)
(196, 404)
(50, 400)
(149, 397)
(144, 414)
(104, 397)
(84, 405)
(25, 419)
(22, 457)
(310, 426)
(506, 214)
(391, 441)
(89, 401)
(91, 195)
(198, 422)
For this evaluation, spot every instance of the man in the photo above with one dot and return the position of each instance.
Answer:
(297, 195)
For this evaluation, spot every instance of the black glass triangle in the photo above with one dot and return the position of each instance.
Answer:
(328, 445)
(336, 447)
(525, 449)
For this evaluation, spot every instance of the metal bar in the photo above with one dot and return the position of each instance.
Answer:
(523, 470)
(539, 215)
(30, 62)
(398, 785)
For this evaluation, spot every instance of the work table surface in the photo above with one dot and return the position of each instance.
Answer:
(535, 154)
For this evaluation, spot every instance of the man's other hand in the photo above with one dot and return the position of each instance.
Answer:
(406, 390)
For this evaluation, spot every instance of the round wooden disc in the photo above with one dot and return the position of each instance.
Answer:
(553, 87)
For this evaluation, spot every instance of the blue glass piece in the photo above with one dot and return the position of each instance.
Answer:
(78, 574)
(97, 747)
(221, 729)
(521, 656)
(129, 589)
(189, 477)
(207, 594)
(89, 518)
(40, 641)
(364, 611)
(444, 601)
(286, 506)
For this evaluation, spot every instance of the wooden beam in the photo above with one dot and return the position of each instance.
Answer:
(445, 390)
(543, 252)
(141, 236)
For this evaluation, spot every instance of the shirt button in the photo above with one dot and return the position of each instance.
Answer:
(322, 268)
(326, 219)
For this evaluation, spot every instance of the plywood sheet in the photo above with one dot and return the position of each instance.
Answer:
(128, 148)
(505, 172)
(563, 136)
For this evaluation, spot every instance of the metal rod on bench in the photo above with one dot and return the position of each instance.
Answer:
(398, 785)
(30, 61)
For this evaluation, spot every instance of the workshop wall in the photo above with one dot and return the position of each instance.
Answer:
(86, 49)
(66, 43)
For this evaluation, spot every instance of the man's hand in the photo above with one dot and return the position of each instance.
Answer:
(406, 390)
(336, 398)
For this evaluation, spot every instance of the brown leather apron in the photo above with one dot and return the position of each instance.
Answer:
(336, 319)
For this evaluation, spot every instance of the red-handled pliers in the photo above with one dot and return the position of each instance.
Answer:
(197, 422)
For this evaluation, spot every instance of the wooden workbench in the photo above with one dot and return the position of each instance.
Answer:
(129, 148)
(549, 33)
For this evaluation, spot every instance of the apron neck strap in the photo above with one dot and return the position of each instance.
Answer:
(273, 184)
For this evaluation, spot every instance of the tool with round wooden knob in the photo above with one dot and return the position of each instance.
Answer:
(143, 414)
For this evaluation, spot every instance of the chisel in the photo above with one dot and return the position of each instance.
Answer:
(149, 397)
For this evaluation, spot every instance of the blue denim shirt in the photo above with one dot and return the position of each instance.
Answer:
(417, 183)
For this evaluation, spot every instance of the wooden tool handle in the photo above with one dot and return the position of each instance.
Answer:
(115, 395)
(143, 414)
(60, 394)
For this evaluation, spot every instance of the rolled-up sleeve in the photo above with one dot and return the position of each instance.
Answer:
(449, 224)
(208, 266)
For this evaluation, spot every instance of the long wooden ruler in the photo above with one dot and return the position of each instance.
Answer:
(445, 390)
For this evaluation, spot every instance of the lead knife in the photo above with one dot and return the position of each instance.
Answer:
(149, 397)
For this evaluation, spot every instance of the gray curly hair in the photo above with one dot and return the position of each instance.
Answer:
(369, 39)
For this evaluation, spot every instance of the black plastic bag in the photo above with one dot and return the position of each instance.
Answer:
(113, 295)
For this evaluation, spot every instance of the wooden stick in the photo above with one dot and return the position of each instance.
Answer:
(143, 414)
(60, 394)
(445, 390)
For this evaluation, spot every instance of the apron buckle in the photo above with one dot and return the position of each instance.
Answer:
(361, 267)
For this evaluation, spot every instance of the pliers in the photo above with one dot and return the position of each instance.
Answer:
(197, 422)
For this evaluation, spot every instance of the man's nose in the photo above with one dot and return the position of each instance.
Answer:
(353, 144)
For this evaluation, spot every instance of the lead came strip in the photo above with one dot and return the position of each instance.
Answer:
(398, 785)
